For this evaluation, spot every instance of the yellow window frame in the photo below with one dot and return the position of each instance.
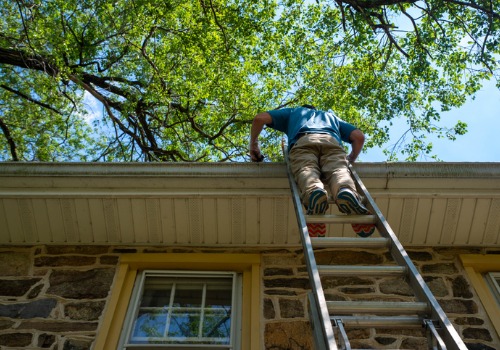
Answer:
(246, 264)
(476, 265)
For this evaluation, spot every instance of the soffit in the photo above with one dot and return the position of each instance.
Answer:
(234, 204)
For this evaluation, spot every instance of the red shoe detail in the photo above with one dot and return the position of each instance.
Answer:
(316, 230)
(363, 230)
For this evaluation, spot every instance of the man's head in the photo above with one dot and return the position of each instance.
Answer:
(309, 106)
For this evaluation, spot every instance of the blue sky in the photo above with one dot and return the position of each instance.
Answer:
(480, 144)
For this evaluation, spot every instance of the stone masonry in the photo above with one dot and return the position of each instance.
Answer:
(286, 286)
(53, 297)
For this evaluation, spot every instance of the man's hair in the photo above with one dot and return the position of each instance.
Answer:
(309, 106)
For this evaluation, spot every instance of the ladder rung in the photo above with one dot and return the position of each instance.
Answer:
(341, 219)
(353, 307)
(381, 321)
(349, 242)
(357, 270)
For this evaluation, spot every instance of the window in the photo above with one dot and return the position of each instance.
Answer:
(188, 308)
(493, 279)
(484, 275)
(194, 286)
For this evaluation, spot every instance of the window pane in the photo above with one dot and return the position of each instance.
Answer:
(219, 295)
(188, 295)
(493, 279)
(217, 325)
(184, 309)
(156, 292)
(184, 325)
(150, 324)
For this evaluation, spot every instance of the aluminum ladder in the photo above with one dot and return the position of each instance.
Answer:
(426, 312)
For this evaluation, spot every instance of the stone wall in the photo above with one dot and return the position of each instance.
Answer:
(53, 297)
(286, 286)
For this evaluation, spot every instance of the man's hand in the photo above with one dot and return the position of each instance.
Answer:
(258, 123)
(255, 154)
(357, 141)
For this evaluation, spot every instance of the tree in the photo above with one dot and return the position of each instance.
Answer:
(181, 80)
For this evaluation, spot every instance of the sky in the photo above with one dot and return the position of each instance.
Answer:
(481, 143)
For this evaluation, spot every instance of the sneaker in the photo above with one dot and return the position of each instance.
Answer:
(316, 230)
(318, 202)
(363, 230)
(348, 203)
(317, 205)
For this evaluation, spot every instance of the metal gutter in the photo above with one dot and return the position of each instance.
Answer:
(259, 170)
(429, 170)
(145, 169)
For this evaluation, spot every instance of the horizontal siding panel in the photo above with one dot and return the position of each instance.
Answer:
(56, 224)
(96, 211)
(217, 209)
(450, 221)
(153, 220)
(266, 209)
(420, 230)
(479, 221)
(70, 222)
(224, 221)
(83, 220)
(13, 221)
(28, 220)
(408, 213)
(394, 214)
(126, 229)
(168, 220)
(238, 212)
(5, 230)
(293, 233)
(252, 214)
(279, 225)
(210, 222)
(463, 230)
(181, 217)
(435, 228)
(44, 232)
(492, 223)
(195, 220)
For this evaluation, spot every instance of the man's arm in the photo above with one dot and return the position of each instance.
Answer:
(258, 123)
(357, 139)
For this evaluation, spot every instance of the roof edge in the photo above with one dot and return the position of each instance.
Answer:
(270, 170)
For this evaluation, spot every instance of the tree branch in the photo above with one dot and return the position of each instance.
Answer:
(10, 141)
(22, 59)
(370, 4)
(474, 5)
(30, 99)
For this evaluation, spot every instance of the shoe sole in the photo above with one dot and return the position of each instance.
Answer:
(316, 230)
(348, 204)
(363, 230)
(318, 205)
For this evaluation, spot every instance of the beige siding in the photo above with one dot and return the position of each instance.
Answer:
(241, 205)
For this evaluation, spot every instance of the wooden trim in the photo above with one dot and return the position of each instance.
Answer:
(476, 265)
(248, 264)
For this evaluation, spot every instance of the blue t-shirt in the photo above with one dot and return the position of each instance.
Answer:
(293, 121)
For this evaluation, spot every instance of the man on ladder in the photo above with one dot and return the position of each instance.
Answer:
(316, 154)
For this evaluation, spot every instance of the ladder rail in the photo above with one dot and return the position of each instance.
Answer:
(318, 297)
(422, 291)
